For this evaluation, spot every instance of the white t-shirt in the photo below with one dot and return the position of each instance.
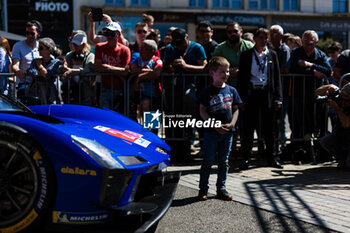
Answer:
(25, 55)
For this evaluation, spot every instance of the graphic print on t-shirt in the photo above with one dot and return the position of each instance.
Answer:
(220, 102)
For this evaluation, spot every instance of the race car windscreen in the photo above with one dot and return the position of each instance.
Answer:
(7, 104)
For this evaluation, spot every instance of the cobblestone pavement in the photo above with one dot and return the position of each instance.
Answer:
(317, 194)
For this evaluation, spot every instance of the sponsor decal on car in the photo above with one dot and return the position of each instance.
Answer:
(42, 169)
(117, 133)
(126, 135)
(90, 217)
(142, 142)
(78, 171)
(133, 133)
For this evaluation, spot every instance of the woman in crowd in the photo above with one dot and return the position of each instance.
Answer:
(74, 32)
(5, 65)
(44, 73)
(259, 85)
(78, 61)
(293, 42)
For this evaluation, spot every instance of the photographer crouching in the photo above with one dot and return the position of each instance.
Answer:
(338, 142)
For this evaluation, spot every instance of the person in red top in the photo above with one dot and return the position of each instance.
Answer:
(112, 57)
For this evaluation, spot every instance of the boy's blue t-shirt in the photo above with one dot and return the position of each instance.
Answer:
(219, 102)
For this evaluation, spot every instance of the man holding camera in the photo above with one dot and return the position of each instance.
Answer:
(338, 142)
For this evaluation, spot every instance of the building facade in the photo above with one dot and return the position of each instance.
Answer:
(329, 18)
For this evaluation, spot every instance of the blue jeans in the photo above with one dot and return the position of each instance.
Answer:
(111, 99)
(215, 142)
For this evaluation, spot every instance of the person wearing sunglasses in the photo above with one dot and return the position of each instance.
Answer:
(112, 57)
(24, 52)
(43, 71)
(97, 38)
(232, 48)
(141, 32)
(182, 57)
(338, 142)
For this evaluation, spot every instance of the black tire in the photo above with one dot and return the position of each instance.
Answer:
(26, 183)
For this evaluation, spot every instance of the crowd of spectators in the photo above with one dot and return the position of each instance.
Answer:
(261, 68)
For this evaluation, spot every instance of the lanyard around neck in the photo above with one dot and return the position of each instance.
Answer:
(261, 65)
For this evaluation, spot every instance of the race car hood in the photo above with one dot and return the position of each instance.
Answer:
(118, 133)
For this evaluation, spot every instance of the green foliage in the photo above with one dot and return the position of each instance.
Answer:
(323, 44)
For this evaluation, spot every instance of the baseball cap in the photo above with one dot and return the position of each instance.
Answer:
(113, 26)
(345, 91)
(79, 39)
(178, 36)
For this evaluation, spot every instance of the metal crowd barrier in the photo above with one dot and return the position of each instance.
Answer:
(307, 120)
(8, 84)
(178, 98)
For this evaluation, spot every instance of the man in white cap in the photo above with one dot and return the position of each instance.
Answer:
(338, 142)
(95, 39)
(112, 57)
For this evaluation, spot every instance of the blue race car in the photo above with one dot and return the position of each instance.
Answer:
(71, 164)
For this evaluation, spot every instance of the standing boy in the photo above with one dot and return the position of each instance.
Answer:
(219, 101)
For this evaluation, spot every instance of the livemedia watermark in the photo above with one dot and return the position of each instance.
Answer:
(155, 120)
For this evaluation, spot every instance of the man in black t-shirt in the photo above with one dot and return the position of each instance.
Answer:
(204, 37)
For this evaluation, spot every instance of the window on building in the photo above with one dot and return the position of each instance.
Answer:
(234, 4)
(340, 6)
(197, 3)
(114, 2)
(262, 4)
(139, 2)
(290, 5)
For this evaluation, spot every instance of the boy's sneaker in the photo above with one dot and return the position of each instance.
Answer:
(223, 195)
(203, 194)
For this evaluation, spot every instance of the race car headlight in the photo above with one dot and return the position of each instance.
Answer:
(97, 151)
(132, 160)
(161, 150)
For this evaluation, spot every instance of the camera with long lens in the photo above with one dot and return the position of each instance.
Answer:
(335, 96)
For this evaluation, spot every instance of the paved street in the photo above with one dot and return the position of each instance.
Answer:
(317, 194)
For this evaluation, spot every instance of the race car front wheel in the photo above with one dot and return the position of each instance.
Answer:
(26, 182)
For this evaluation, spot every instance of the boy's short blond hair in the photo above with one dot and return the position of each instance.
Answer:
(217, 62)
